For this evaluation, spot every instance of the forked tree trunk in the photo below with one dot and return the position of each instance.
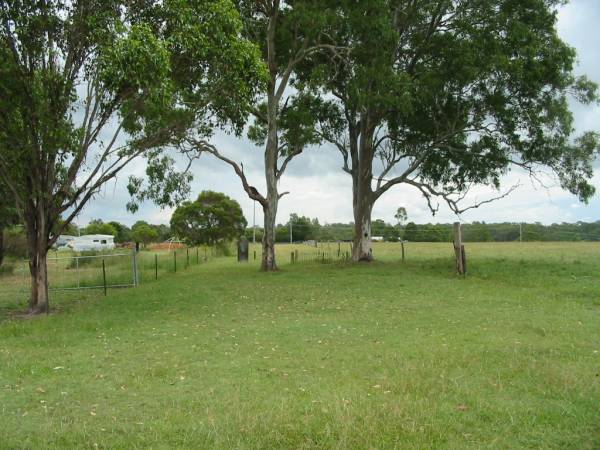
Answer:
(363, 197)
(363, 206)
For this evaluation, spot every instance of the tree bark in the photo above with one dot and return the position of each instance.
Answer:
(363, 197)
(270, 211)
(37, 240)
(268, 243)
(362, 206)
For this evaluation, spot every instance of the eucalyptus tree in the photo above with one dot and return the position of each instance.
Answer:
(89, 86)
(287, 32)
(443, 94)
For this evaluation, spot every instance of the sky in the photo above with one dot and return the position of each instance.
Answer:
(319, 188)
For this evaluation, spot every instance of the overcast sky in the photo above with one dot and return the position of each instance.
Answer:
(318, 187)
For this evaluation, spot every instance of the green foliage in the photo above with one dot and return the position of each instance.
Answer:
(460, 91)
(144, 233)
(7, 269)
(401, 215)
(97, 226)
(212, 218)
(154, 71)
(123, 233)
(8, 213)
(15, 242)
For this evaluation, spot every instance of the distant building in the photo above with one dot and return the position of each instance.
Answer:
(377, 238)
(92, 242)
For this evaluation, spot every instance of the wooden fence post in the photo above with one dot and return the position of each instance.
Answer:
(459, 250)
(156, 266)
(104, 276)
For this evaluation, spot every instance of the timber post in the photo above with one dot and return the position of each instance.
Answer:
(459, 250)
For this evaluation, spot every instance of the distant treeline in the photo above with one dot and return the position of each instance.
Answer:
(307, 229)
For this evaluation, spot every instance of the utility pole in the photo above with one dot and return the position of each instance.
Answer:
(520, 231)
(254, 223)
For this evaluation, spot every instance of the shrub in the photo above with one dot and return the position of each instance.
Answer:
(15, 243)
(7, 269)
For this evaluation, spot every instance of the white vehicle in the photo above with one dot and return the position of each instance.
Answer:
(92, 242)
(63, 240)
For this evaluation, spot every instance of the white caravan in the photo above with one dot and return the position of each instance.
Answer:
(92, 242)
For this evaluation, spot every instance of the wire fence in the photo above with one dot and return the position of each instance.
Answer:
(104, 271)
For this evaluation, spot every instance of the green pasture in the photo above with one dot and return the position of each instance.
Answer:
(336, 355)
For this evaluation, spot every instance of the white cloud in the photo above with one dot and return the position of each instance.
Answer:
(318, 187)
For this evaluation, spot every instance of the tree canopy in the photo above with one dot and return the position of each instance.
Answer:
(212, 218)
(87, 87)
(444, 94)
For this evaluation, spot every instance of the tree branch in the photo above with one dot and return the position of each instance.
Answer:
(204, 147)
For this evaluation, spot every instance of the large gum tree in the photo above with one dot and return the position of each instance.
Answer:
(444, 94)
(87, 87)
(288, 33)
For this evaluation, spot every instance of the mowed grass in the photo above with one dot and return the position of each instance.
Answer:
(384, 355)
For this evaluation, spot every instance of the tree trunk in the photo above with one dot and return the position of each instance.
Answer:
(1, 245)
(362, 205)
(37, 240)
(363, 197)
(38, 302)
(270, 212)
(268, 243)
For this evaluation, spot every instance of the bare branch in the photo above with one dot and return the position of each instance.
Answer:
(429, 191)
(204, 147)
(279, 172)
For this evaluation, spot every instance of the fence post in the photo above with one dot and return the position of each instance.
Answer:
(175, 260)
(156, 266)
(459, 249)
(187, 258)
(104, 276)
(197, 255)
(254, 255)
(77, 270)
(135, 268)
(292, 260)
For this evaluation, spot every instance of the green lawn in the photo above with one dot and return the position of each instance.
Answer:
(387, 355)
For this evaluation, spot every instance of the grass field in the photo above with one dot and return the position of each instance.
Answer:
(386, 355)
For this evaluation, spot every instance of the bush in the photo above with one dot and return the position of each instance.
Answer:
(15, 243)
(7, 269)
(224, 248)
